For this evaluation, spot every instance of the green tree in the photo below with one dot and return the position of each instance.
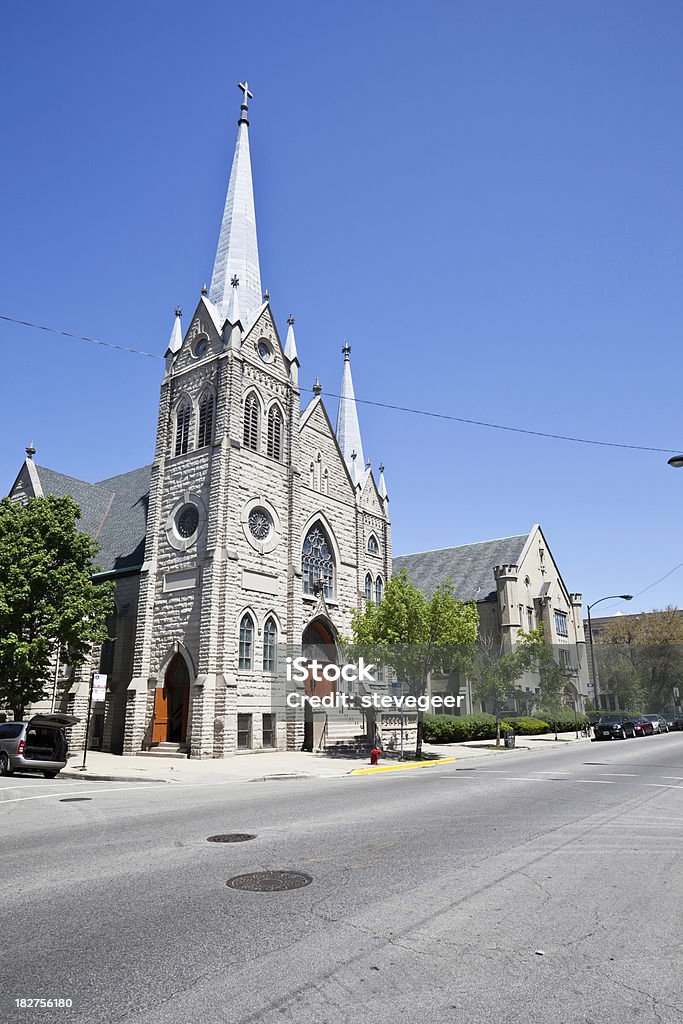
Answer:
(414, 635)
(494, 671)
(653, 643)
(47, 596)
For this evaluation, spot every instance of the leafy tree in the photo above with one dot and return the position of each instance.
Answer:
(415, 635)
(552, 680)
(495, 671)
(653, 643)
(47, 596)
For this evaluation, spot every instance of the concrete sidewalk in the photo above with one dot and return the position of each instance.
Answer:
(277, 764)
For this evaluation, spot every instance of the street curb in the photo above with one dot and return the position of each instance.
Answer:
(401, 767)
(87, 777)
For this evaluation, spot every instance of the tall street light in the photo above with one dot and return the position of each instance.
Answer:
(676, 462)
(610, 597)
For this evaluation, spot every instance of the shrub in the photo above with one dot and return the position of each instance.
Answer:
(564, 720)
(458, 728)
(523, 725)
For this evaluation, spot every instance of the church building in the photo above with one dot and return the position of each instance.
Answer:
(258, 529)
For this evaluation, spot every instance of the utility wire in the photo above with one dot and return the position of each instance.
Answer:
(377, 405)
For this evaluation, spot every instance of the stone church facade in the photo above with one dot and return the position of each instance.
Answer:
(257, 530)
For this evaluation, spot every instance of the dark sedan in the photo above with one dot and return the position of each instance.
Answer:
(614, 726)
(673, 720)
(643, 726)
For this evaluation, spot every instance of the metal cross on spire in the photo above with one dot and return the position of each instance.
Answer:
(244, 86)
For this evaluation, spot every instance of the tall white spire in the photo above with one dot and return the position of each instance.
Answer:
(175, 342)
(348, 428)
(237, 252)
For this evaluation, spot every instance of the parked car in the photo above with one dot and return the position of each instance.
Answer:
(643, 726)
(659, 722)
(38, 745)
(673, 720)
(614, 726)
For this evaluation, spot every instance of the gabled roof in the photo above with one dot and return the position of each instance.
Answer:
(113, 512)
(469, 566)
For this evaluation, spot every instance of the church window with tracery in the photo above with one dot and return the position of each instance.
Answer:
(182, 428)
(205, 432)
(317, 562)
(367, 593)
(246, 643)
(379, 590)
(275, 433)
(251, 422)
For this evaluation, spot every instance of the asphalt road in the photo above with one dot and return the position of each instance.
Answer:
(434, 894)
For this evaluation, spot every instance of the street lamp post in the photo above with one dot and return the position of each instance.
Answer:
(610, 597)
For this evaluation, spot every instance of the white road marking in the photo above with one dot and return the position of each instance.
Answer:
(629, 775)
(679, 778)
(552, 773)
(662, 785)
(597, 782)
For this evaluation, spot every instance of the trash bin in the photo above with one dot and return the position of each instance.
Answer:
(509, 738)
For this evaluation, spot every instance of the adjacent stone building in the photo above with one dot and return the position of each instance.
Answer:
(257, 529)
(517, 586)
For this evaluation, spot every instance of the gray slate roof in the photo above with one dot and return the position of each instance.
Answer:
(113, 512)
(469, 566)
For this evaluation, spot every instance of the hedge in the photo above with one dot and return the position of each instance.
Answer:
(565, 718)
(457, 729)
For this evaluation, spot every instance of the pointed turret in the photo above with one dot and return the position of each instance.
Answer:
(290, 352)
(348, 428)
(176, 340)
(233, 316)
(382, 487)
(237, 252)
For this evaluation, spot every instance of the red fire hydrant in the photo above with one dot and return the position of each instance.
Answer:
(374, 755)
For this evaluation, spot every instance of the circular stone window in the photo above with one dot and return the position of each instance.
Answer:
(187, 521)
(201, 347)
(260, 523)
(264, 350)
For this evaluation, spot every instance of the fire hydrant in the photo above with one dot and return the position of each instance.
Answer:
(374, 755)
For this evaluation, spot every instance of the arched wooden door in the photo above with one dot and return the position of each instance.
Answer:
(172, 704)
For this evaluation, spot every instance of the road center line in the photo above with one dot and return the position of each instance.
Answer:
(628, 775)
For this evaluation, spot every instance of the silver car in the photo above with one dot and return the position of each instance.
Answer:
(38, 745)
(659, 724)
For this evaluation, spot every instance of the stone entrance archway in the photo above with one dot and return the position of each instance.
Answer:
(172, 703)
(318, 644)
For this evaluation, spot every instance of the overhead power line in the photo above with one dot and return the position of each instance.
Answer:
(378, 405)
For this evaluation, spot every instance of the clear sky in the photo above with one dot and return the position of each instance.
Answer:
(484, 198)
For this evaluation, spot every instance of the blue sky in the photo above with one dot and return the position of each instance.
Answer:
(484, 198)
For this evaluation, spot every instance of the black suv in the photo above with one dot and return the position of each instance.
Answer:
(614, 726)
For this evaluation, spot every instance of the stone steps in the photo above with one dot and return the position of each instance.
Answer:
(176, 750)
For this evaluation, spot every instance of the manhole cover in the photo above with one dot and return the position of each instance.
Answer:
(270, 881)
(73, 799)
(231, 837)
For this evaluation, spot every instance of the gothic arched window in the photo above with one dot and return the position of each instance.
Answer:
(251, 421)
(182, 427)
(205, 431)
(269, 645)
(317, 562)
(275, 433)
(246, 643)
(373, 545)
(367, 593)
(379, 589)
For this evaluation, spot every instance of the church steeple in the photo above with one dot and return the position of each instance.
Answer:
(237, 252)
(348, 428)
